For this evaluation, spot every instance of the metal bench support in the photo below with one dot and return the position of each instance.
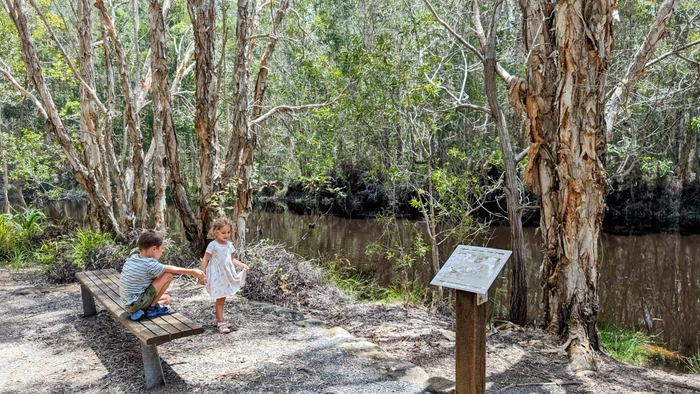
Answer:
(151, 365)
(88, 302)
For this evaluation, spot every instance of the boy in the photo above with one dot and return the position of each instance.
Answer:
(144, 280)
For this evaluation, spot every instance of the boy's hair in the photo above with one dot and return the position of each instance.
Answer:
(149, 238)
(218, 225)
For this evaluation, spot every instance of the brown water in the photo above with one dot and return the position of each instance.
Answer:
(650, 282)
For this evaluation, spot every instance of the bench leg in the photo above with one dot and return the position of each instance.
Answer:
(151, 365)
(88, 302)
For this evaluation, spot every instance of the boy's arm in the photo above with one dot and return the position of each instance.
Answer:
(238, 263)
(185, 271)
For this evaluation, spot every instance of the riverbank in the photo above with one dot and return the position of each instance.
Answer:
(633, 207)
(312, 340)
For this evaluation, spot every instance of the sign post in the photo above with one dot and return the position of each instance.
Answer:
(471, 270)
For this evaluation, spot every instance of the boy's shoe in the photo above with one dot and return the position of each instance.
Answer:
(136, 315)
(157, 310)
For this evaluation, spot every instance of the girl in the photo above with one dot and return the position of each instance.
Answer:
(221, 279)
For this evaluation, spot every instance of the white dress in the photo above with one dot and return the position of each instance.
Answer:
(222, 278)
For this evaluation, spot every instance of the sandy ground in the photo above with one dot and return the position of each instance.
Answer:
(47, 346)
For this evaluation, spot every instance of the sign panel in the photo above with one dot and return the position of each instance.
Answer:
(471, 268)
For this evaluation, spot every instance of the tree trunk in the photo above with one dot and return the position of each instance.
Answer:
(242, 164)
(5, 175)
(684, 170)
(91, 137)
(203, 17)
(132, 124)
(54, 124)
(163, 124)
(566, 167)
(117, 177)
(20, 193)
(518, 293)
(240, 131)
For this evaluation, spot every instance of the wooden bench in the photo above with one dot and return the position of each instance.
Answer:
(103, 285)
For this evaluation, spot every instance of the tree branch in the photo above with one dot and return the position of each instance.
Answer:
(636, 69)
(520, 156)
(669, 53)
(472, 106)
(290, 108)
(22, 90)
(82, 82)
(452, 32)
(479, 30)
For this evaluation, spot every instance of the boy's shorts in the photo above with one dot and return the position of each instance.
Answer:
(145, 300)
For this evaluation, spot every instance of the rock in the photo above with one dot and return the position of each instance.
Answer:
(364, 349)
(309, 323)
(290, 314)
(438, 385)
(260, 304)
(447, 334)
(339, 332)
(404, 371)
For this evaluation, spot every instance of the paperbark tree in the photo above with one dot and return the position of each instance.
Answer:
(136, 178)
(203, 17)
(163, 123)
(239, 155)
(86, 178)
(569, 45)
(92, 139)
(5, 175)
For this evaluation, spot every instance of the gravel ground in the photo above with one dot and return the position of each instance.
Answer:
(47, 346)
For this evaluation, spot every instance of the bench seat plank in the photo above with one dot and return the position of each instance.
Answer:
(104, 286)
(164, 322)
(161, 335)
(112, 281)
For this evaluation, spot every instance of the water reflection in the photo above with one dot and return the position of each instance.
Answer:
(650, 281)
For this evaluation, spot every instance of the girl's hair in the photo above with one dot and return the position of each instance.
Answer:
(218, 225)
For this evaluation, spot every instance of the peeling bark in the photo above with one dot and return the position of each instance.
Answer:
(240, 128)
(117, 178)
(568, 51)
(247, 141)
(203, 17)
(137, 184)
(5, 175)
(163, 125)
(91, 137)
(54, 124)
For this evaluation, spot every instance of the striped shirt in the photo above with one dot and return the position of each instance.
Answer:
(137, 275)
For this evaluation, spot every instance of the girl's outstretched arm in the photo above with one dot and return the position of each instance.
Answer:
(203, 266)
(238, 263)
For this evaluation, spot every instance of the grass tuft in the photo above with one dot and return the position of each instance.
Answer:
(625, 345)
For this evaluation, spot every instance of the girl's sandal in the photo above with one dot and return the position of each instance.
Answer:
(223, 328)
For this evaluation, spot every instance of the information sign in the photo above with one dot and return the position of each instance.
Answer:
(471, 268)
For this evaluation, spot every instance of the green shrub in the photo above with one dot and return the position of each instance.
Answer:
(86, 242)
(9, 237)
(27, 223)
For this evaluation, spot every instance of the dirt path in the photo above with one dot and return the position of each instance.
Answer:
(46, 346)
